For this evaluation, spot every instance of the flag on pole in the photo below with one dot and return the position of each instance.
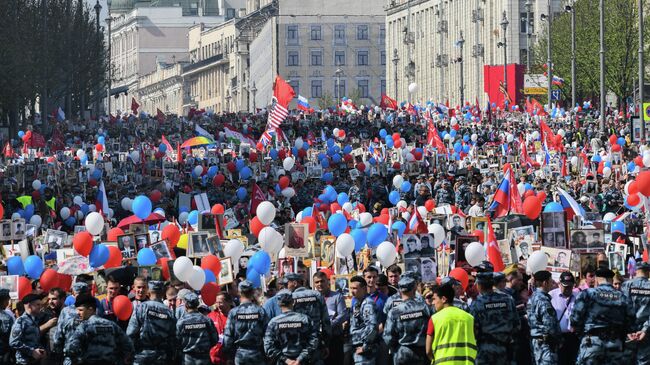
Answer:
(257, 198)
(303, 103)
(160, 116)
(134, 106)
(168, 145)
(101, 201)
(282, 95)
(493, 252)
(570, 205)
(507, 199)
(414, 221)
(60, 115)
(387, 102)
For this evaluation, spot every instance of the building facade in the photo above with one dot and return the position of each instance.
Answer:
(162, 89)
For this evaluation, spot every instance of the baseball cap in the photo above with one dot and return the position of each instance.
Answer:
(406, 283)
(80, 287)
(566, 278)
(191, 300)
(245, 286)
(285, 297)
(293, 277)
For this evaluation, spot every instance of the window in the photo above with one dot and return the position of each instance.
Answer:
(382, 58)
(339, 58)
(293, 58)
(522, 23)
(382, 34)
(383, 86)
(362, 58)
(363, 88)
(292, 34)
(339, 34)
(317, 58)
(230, 13)
(295, 84)
(315, 33)
(362, 32)
(523, 56)
(341, 88)
(316, 88)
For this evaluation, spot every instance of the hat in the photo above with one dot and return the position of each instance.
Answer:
(406, 283)
(499, 277)
(85, 300)
(284, 297)
(191, 300)
(485, 278)
(413, 274)
(566, 278)
(542, 275)
(448, 280)
(604, 272)
(245, 286)
(80, 287)
(31, 298)
(4, 293)
(293, 277)
(182, 293)
(642, 265)
(156, 286)
(485, 266)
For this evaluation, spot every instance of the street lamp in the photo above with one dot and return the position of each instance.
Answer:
(460, 42)
(98, 9)
(110, 63)
(601, 4)
(549, 62)
(395, 61)
(529, 33)
(254, 91)
(572, 10)
(504, 25)
(641, 71)
(338, 86)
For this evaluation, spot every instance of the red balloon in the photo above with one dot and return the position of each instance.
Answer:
(171, 234)
(460, 275)
(122, 307)
(361, 166)
(211, 262)
(165, 268)
(347, 158)
(396, 136)
(155, 196)
(113, 233)
(311, 222)
(528, 193)
(282, 154)
(231, 167)
(92, 182)
(541, 196)
(417, 155)
(65, 281)
(327, 272)
(218, 180)
(480, 234)
(397, 166)
(430, 205)
(252, 156)
(256, 226)
(49, 279)
(341, 133)
(324, 207)
(643, 182)
(209, 293)
(398, 143)
(28, 134)
(83, 243)
(334, 207)
(2, 211)
(532, 207)
(383, 218)
(284, 182)
(36, 194)
(384, 211)
(24, 287)
(638, 160)
(217, 209)
(99, 147)
(361, 208)
(633, 200)
(612, 139)
(616, 148)
(302, 153)
(260, 146)
(633, 188)
(114, 257)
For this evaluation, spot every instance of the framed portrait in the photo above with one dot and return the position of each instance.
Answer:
(588, 260)
(5, 230)
(145, 271)
(506, 251)
(587, 240)
(18, 229)
(226, 275)
(554, 228)
(161, 250)
(500, 230)
(215, 246)
(64, 254)
(285, 266)
(141, 240)
(428, 269)
(427, 245)
(411, 245)
(295, 236)
(138, 228)
(461, 244)
(327, 250)
(155, 236)
(363, 259)
(10, 282)
(126, 244)
(233, 233)
(197, 246)
(522, 239)
(480, 223)
(558, 259)
(456, 223)
(55, 240)
(207, 222)
(440, 219)
(617, 261)
(341, 284)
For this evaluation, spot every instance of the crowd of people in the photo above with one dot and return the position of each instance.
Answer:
(402, 197)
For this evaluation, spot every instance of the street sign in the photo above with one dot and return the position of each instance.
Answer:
(555, 94)
(535, 84)
(646, 112)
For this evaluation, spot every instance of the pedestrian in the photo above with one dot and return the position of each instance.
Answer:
(223, 306)
(140, 291)
(195, 333)
(544, 326)
(450, 331)
(6, 322)
(290, 337)
(364, 330)
(152, 328)
(311, 303)
(603, 317)
(338, 314)
(25, 335)
(638, 291)
(96, 341)
(68, 321)
(563, 300)
(48, 319)
(243, 336)
(405, 330)
(290, 281)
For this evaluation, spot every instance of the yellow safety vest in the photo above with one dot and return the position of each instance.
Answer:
(453, 340)
(24, 200)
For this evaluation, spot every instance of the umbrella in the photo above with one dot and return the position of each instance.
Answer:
(197, 141)
(153, 218)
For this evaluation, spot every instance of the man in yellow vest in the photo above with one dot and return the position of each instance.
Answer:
(450, 334)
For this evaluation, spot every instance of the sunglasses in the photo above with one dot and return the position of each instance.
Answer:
(429, 297)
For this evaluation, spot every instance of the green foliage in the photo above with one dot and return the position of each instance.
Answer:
(326, 100)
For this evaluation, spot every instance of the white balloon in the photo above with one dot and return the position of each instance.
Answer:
(646, 159)
(79, 215)
(233, 248)
(335, 131)
(282, 254)
(401, 204)
(94, 223)
(422, 210)
(413, 88)
(135, 156)
(607, 171)
(574, 160)
(77, 200)
(36, 184)
(288, 192)
(299, 217)
(535, 135)
(198, 170)
(438, 233)
(609, 217)
(365, 219)
(265, 212)
(521, 187)
(288, 163)
(182, 218)
(474, 137)
(17, 216)
(397, 181)
(126, 204)
(197, 278)
(110, 213)
(386, 253)
(92, 208)
(80, 153)
(64, 213)
(475, 253)
(345, 245)
(627, 187)
(510, 138)
(410, 157)
(347, 206)
(299, 143)
(270, 240)
(36, 220)
(183, 268)
(537, 261)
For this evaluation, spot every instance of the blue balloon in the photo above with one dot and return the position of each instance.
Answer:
(347, 149)
(331, 193)
(466, 138)
(328, 177)
(325, 163)
(305, 146)
(21, 134)
(553, 207)
(528, 186)
(15, 266)
(453, 133)
(390, 143)
(294, 151)
(631, 166)
(618, 226)
(342, 198)
(146, 257)
(406, 186)
(337, 224)
(323, 198)
(99, 255)
(400, 227)
(209, 276)
(458, 147)
(596, 158)
(193, 217)
(183, 209)
(212, 171)
(336, 158)
(84, 208)
(394, 197)
(162, 148)
(608, 164)
(69, 300)
(274, 154)
(141, 206)
(377, 233)
(372, 161)
(260, 261)
(466, 148)
(97, 174)
(84, 159)
(241, 193)
(240, 164)
(101, 140)
(360, 238)
(620, 141)
(353, 224)
(254, 277)
(330, 143)
(307, 212)
(70, 221)
(33, 266)
(245, 173)
(29, 212)
(383, 133)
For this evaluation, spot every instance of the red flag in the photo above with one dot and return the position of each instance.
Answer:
(37, 140)
(257, 198)
(534, 104)
(433, 138)
(179, 156)
(493, 252)
(160, 116)
(564, 169)
(134, 106)
(387, 102)
(282, 95)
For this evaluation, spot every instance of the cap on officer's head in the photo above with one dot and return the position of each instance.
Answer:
(192, 300)
(485, 266)
(604, 272)
(448, 280)
(285, 298)
(485, 278)
(542, 275)
(498, 277)
(156, 286)
(406, 283)
(4, 294)
(642, 265)
(293, 277)
(31, 297)
(80, 288)
(245, 286)
(182, 293)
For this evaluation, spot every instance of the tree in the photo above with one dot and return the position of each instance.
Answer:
(326, 100)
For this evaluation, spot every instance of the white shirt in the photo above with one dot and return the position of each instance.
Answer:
(559, 302)
(475, 211)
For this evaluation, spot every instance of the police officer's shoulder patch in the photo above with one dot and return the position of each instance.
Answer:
(308, 299)
(248, 316)
(104, 330)
(152, 313)
(495, 305)
(640, 292)
(411, 316)
(292, 325)
(195, 326)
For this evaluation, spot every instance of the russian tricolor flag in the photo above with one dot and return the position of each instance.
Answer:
(414, 221)
(101, 200)
(60, 115)
(303, 103)
(570, 205)
(506, 199)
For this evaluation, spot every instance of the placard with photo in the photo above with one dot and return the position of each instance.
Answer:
(456, 223)
(18, 229)
(197, 245)
(480, 223)
(506, 252)
(554, 229)
(126, 244)
(214, 243)
(341, 284)
(226, 275)
(617, 261)
(10, 282)
(587, 240)
(207, 222)
(155, 236)
(295, 235)
(141, 240)
(55, 240)
(522, 239)
(161, 250)
(5, 230)
(558, 259)
(327, 250)
(500, 230)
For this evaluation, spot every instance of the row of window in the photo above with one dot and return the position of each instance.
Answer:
(316, 58)
(316, 88)
(316, 33)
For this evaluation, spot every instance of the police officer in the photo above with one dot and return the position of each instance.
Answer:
(396, 299)
(243, 335)
(195, 333)
(364, 332)
(290, 281)
(405, 332)
(638, 291)
(495, 322)
(152, 328)
(68, 321)
(458, 291)
(544, 325)
(96, 341)
(603, 314)
(311, 303)
(290, 338)
(25, 334)
(6, 321)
